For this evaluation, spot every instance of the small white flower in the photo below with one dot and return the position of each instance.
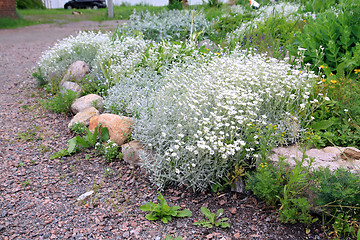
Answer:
(163, 134)
(326, 98)
(345, 110)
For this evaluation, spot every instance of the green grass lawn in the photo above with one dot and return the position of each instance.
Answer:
(39, 16)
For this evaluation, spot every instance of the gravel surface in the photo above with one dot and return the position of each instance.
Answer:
(38, 196)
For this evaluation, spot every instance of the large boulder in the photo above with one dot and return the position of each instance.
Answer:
(84, 116)
(76, 72)
(85, 102)
(131, 152)
(119, 127)
(332, 158)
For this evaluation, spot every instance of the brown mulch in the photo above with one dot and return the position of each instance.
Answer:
(38, 195)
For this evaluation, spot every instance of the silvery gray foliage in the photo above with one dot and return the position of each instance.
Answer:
(55, 61)
(168, 25)
(120, 58)
(198, 126)
(133, 94)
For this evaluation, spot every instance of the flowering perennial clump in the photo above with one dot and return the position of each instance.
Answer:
(198, 126)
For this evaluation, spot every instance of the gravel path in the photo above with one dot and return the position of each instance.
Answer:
(38, 195)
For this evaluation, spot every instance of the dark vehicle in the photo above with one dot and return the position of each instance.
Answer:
(94, 4)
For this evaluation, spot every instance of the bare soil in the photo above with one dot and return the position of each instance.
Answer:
(38, 195)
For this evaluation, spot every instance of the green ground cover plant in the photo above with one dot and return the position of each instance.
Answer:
(61, 102)
(169, 237)
(336, 122)
(284, 188)
(163, 211)
(109, 149)
(337, 197)
(213, 219)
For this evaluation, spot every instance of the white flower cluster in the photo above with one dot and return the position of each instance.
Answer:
(55, 61)
(134, 90)
(120, 58)
(199, 121)
(168, 25)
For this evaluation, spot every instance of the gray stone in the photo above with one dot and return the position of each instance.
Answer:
(70, 86)
(84, 116)
(85, 102)
(238, 186)
(321, 155)
(131, 152)
(336, 150)
(76, 72)
(85, 195)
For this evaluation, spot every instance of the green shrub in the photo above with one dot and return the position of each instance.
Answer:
(270, 31)
(284, 187)
(336, 31)
(29, 4)
(338, 197)
(337, 191)
(266, 183)
(272, 35)
(316, 6)
(61, 102)
(336, 122)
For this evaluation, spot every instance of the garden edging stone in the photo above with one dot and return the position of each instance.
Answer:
(76, 72)
(119, 126)
(85, 102)
(84, 116)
